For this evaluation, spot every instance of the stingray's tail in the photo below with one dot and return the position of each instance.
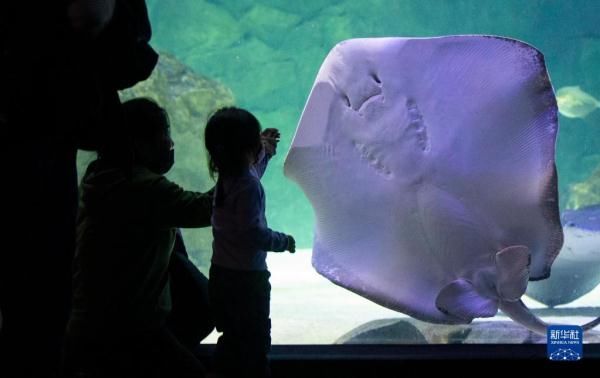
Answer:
(521, 314)
(591, 324)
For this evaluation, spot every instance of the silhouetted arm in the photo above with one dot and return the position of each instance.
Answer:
(261, 165)
(176, 207)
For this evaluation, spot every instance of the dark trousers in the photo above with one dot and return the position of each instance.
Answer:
(240, 302)
(190, 320)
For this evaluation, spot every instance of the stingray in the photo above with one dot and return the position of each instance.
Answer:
(576, 270)
(429, 163)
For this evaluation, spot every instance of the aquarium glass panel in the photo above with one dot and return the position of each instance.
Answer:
(264, 55)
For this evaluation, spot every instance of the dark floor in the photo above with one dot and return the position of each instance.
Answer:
(367, 361)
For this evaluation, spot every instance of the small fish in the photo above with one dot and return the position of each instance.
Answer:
(575, 103)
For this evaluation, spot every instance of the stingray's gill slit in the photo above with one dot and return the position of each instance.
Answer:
(417, 124)
(376, 78)
(372, 160)
(346, 100)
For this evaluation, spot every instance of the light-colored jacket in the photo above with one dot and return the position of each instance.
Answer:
(241, 236)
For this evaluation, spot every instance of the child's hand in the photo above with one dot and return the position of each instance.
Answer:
(269, 139)
(291, 244)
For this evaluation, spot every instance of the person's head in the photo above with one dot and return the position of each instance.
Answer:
(150, 132)
(232, 139)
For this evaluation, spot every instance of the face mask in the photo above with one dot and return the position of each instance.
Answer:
(164, 161)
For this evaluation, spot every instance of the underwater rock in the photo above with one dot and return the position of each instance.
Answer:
(384, 331)
(585, 193)
(271, 91)
(191, 27)
(412, 331)
(269, 24)
(576, 270)
(429, 163)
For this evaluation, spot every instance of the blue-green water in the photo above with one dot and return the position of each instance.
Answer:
(268, 53)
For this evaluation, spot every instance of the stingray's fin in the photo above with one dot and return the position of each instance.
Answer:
(512, 264)
(459, 298)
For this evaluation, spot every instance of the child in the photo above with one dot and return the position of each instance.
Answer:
(127, 225)
(239, 288)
